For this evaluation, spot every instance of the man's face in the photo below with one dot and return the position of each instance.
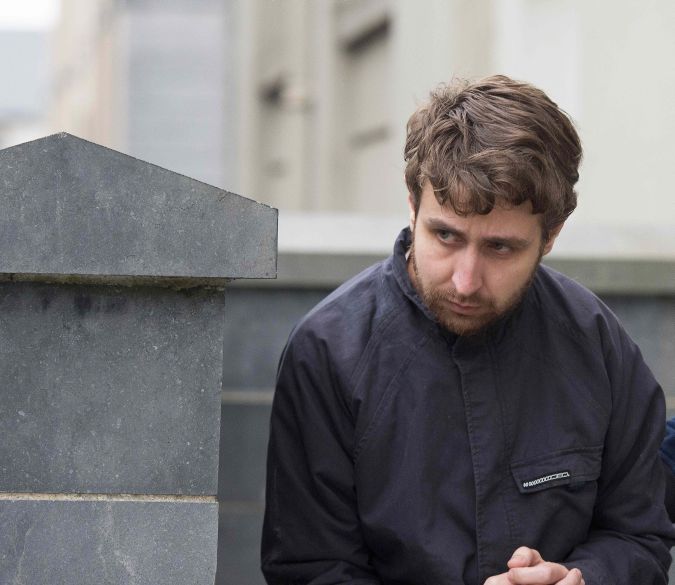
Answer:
(472, 270)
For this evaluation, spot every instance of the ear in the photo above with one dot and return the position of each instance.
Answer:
(551, 238)
(411, 207)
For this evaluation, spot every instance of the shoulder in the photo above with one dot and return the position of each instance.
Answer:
(572, 305)
(357, 303)
(562, 293)
(583, 340)
(338, 329)
(368, 321)
(580, 315)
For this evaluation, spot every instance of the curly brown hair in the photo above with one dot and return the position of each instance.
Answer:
(491, 142)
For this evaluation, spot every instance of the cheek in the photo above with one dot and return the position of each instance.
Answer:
(435, 269)
(432, 256)
(510, 280)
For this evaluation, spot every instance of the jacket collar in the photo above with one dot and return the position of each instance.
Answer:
(400, 271)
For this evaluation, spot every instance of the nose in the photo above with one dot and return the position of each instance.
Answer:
(466, 276)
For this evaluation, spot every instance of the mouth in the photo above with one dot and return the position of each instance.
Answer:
(464, 309)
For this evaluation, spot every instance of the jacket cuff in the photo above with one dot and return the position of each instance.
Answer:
(591, 570)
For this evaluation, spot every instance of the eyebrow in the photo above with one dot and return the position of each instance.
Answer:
(434, 223)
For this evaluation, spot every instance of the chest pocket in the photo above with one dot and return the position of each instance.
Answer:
(552, 507)
(571, 468)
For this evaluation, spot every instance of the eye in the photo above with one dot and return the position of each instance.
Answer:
(446, 236)
(501, 248)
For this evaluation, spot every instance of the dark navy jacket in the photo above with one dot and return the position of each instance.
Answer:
(402, 454)
(668, 457)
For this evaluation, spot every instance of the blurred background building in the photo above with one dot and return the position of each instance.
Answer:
(25, 69)
(152, 79)
(302, 104)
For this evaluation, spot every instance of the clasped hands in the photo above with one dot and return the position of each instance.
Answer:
(526, 567)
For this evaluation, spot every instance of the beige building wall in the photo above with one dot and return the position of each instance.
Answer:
(88, 54)
(330, 85)
(152, 78)
(317, 131)
(627, 85)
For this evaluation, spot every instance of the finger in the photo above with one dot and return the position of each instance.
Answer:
(524, 557)
(543, 573)
(574, 577)
(500, 579)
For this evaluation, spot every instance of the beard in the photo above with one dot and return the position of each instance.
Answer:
(438, 301)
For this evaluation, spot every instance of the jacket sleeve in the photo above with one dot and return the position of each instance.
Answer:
(630, 534)
(668, 458)
(311, 531)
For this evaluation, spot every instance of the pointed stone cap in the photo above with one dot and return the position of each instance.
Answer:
(73, 210)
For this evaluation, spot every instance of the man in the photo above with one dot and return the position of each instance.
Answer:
(459, 413)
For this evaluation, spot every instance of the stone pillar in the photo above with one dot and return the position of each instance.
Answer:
(111, 335)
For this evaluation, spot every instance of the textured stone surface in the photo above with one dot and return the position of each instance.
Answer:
(107, 543)
(71, 207)
(256, 329)
(239, 533)
(243, 448)
(650, 321)
(109, 389)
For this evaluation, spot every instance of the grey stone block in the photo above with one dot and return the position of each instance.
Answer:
(620, 276)
(650, 321)
(71, 207)
(107, 543)
(257, 327)
(243, 449)
(239, 533)
(109, 389)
